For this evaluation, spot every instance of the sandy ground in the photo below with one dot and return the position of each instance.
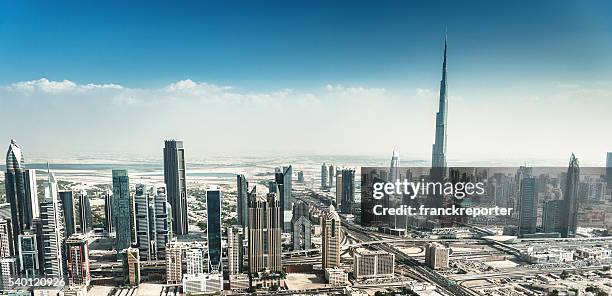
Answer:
(299, 281)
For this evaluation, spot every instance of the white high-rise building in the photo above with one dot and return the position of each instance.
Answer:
(52, 230)
(174, 263)
(8, 266)
(195, 261)
(163, 221)
(331, 238)
(234, 249)
(153, 221)
(5, 239)
(144, 215)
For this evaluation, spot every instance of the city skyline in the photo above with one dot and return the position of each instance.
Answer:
(325, 101)
(477, 104)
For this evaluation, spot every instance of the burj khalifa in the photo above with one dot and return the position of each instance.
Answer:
(438, 155)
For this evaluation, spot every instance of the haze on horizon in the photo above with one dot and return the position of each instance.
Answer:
(356, 78)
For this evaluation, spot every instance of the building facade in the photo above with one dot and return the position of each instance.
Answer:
(528, 206)
(176, 184)
(301, 227)
(242, 206)
(264, 233)
(52, 232)
(78, 261)
(213, 228)
(29, 256)
(122, 211)
(67, 200)
(569, 207)
(131, 266)
(436, 256)
(21, 192)
(331, 235)
(368, 263)
(348, 191)
(234, 249)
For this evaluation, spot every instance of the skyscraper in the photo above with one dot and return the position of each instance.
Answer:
(348, 191)
(283, 181)
(569, 207)
(331, 175)
(52, 231)
(331, 238)
(123, 220)
(153, 228)
(176, 184)
(528, 206)
(29, 263)
(78, 261)
(163, 222)
(108, 212)
(6, 247)
(234, 249)
(174, 263)
(8, 263)
(67, 201)
(609, 171)
(301, 227)
(31, 190)
(394, 173)
(339, 186)
(213, 228)
(264, 233)
(551, 219)
(242, 188)
(8, 267)
(20, 186)
(84, 212)
(144, 216)
(323, 176)
(438, 157)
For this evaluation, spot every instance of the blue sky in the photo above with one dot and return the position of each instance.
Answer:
(267, 44)
(93, 66)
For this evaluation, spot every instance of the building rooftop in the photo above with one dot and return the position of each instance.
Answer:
(14, 157)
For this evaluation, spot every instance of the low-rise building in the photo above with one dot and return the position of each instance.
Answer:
(336, 276)
(203, 283)
(594, 253)
(239, 282)
(437, 256)
(368, 263)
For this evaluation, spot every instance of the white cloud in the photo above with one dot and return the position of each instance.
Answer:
(332, 119)
(190, 86)
(53, 87)
(339, 89)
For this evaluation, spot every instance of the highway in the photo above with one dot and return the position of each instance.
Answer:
(445, 286)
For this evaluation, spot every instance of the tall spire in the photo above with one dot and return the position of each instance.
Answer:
(444, 63)
(438, 158)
